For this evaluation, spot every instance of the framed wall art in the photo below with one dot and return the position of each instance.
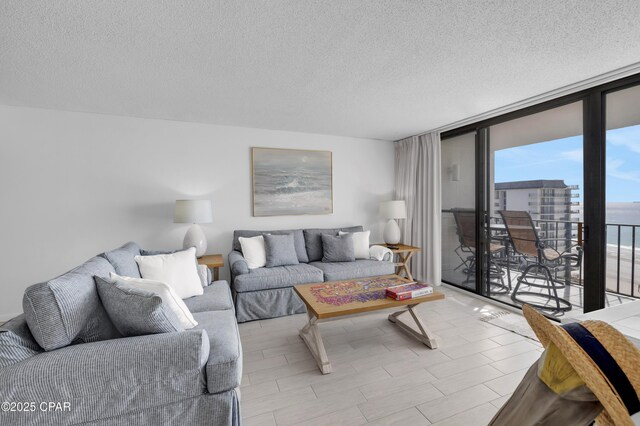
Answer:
(291, 182)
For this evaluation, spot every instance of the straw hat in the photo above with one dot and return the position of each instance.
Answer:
(605, 360)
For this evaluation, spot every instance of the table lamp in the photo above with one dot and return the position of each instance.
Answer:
(392, 210)
(194, 212)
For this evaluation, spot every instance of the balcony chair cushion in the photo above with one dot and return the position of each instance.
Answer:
(67, 309)
(135, 311)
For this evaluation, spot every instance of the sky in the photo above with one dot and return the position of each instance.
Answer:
(562, 159)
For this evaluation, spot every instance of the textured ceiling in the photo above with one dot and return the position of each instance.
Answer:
(380, 69)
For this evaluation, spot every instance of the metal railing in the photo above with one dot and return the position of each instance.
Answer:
(564, 233)
(621, 249)
(618, 247)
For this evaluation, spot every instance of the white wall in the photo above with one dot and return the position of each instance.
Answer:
(74, 184)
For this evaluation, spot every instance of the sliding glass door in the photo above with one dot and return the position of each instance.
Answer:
(458, 179)
(535, 221)
(622, 194)
(542, 205)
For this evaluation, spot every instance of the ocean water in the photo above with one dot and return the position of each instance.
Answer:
(292, 189)
(623, 214)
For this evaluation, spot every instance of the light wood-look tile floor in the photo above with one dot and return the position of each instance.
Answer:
(381, 376)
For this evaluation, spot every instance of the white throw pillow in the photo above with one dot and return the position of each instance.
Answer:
(360, 243)
(203, 273)
(253, 251)
(179, 270)
(167, 295)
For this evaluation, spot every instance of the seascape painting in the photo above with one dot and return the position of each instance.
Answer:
(291, 182)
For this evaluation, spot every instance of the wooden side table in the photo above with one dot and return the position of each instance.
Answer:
(214, 262)
(405, 253)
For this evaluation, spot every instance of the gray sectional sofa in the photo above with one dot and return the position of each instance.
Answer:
(100, 378)
(268, 292)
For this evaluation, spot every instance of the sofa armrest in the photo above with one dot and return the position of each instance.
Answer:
(107, 369)
(237, 264)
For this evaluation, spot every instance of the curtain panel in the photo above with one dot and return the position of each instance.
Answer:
(417, 181)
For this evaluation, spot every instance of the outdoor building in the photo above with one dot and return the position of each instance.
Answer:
(549, 202)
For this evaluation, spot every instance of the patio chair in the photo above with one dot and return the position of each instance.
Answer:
(541, 261)
(466, 251)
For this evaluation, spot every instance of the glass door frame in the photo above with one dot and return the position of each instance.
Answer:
(594, 175)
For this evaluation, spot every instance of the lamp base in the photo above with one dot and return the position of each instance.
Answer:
(195, 238)
(391, 232)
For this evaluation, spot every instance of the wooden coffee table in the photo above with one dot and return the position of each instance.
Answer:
(336, 299)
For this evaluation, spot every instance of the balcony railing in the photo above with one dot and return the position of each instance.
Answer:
(623, 242)
(620, 251)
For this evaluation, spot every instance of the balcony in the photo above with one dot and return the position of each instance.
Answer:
(621, 285)
(623, 242)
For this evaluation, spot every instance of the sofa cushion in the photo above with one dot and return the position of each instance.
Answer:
(298, 239)
(277, 277)
(122, 259)
(224, 367)
(136, 311)
(16, 342)
(280, 250)
(338, 248)
(67, 309)
(313, 240)
(336, 271)
(216, 297)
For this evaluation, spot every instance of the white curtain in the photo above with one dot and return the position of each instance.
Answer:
(417, 181)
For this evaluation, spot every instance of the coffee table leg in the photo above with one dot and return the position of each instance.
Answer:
(310, 334)
(423, 334)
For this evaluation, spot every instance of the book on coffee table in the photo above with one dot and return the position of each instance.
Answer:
(408, 291)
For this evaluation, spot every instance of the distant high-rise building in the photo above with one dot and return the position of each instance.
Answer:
(550, 203)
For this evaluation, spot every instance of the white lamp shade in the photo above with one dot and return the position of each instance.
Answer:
(193, 211)
(393, 209)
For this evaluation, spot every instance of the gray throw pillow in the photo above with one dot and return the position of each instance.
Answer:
(122, 259)
(337, 248)
(144, 252)
(134, 311)
(67, 310)
(280, 250)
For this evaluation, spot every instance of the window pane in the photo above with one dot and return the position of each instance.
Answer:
(623, 192)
